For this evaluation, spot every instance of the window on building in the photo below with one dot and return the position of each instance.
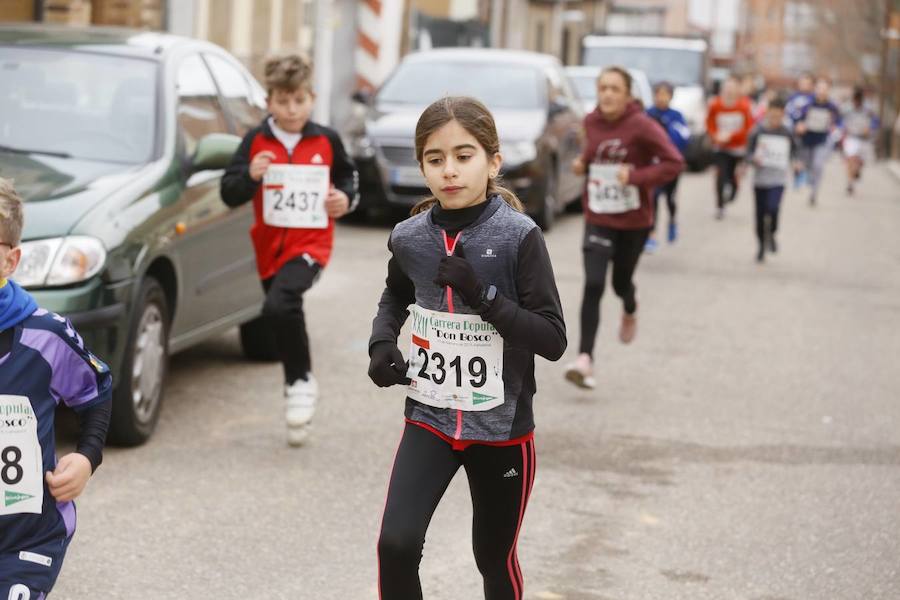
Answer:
(797, 57)
(623, 21)
(799, 17)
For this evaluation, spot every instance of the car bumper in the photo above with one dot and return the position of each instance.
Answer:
(98, 311)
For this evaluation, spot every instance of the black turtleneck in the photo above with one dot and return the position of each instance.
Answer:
(454, 221)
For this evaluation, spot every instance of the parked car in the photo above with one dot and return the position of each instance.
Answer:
(116, 140)
(584, 81)
(537, 113)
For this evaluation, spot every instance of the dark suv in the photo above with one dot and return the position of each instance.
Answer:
(538, 119)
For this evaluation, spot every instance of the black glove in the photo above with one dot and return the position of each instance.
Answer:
(386, 365)
(458, 273)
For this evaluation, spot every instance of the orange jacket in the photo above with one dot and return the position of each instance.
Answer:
(736, 119)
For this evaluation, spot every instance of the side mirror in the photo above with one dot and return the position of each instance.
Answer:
(362, 97)
(214, 151)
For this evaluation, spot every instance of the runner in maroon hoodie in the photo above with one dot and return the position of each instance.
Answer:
(626, 156)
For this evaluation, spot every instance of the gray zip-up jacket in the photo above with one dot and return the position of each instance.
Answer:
(506, 249)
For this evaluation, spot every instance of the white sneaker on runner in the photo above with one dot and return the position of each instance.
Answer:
(300, 401)
(297, 436)
(581, 372)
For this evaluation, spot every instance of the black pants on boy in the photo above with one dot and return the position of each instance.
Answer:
(283, 309)
(726, 177)
(500, 480)
(667, 190)
(768, 203)
(601, 245)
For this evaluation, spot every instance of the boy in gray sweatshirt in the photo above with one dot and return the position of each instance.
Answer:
(771, 150)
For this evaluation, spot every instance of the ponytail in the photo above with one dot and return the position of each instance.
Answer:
(493, 188)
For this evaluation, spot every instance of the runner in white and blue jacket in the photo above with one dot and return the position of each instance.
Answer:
(679, 133)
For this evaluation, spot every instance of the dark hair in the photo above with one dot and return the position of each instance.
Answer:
(474, 117)
(664, 85)
(858, 94)
(621, 71)
(289, 73)
(778, 101)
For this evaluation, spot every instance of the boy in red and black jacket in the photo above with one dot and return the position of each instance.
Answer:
(300, 180)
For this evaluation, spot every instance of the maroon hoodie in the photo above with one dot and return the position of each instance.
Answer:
(637, 140)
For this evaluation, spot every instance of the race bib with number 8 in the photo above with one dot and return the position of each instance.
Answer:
(606, 195)
(773, 151)
(294, 196)
(455, 361)
(21, 464)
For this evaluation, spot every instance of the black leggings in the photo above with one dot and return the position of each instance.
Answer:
(602, 244)
(726, 175)
(500, 480)
(768, 202)
(667, 190)
(283, 309)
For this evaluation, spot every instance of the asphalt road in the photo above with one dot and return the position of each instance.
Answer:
(746, 446)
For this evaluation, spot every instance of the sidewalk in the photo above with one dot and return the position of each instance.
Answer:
(893, 166)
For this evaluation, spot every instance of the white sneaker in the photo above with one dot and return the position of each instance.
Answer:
(581, 372)
(300, 401)
(297, 436)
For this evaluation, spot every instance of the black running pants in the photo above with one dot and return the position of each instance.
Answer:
(500, 480)
(602, 245)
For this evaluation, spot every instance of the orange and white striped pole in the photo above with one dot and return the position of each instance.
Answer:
(368, 45)
(378, 33)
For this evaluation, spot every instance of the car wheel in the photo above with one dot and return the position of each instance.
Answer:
(138, 396)
(257, 340)
(547, 213)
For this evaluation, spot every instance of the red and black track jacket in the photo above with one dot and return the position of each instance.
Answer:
(275, 246)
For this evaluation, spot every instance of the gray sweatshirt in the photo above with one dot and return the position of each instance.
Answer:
(774, 147)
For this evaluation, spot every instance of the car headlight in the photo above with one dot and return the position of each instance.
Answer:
(518, 153)
(60, 261)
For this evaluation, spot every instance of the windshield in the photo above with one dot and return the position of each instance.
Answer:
(76, 104)
(501, 86)
(585, 86)
(678, 67)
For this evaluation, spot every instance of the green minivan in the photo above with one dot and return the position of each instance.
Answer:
(117, 139)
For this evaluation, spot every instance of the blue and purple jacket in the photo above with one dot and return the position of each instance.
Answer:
(48, 364)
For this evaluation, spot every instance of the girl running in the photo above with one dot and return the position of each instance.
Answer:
(479, 317)
(626, 156)
(728, 121)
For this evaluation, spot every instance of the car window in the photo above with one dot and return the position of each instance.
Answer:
(199, 113)
(498, 85)
(78, 104)
(236, 92)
